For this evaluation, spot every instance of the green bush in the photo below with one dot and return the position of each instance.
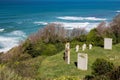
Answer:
(49, 50)
(94, 39)
(41, 48)
(101, 66)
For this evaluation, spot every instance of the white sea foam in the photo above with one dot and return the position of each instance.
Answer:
(19, 22)
(7, 43)
(81, 18)
(88, 26)
(118, 11)
(1, 30)
(40, 23)
(11, 40)
(18, 33)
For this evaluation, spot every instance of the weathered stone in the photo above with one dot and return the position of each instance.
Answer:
(67, 46)
(83, 47)
(77, 48)
(82, 63)
(67, 53)
(90, 46)
(107, 43)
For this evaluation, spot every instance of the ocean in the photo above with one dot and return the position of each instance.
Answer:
(19, 20)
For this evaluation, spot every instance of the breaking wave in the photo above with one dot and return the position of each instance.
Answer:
(118, 11)
(1, 30)
(40, 23)
(11, 40)
(81, 18)
(88, 26)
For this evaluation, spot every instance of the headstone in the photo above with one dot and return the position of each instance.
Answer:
(107, 43)
(67, 46)
(83, 47)
(68, 60)
(90, 46)
(82, 63)
(77, 48)
(67, 53)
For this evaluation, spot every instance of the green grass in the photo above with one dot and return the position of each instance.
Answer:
(48, 68)
(55, 66)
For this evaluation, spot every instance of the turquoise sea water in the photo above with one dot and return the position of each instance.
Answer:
(19, 20)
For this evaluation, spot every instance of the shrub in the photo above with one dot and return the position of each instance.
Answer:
(115, 26)
(52, 33)
(89, 77)
(41, 48)
(7, 74)
(49, 50)
(93, 38)
(115, 74)
(101, 66)
(67, 78)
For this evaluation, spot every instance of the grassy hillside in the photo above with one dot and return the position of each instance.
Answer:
(50, 67)
(55, 66)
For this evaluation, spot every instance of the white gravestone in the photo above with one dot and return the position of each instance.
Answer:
(82, 63)
(67, 53)
(77, 48)
(90, 46)
(68, 60)
(83, 47)
(107, 43)
(67, 46)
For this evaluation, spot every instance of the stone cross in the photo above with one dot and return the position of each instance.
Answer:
(108, 43)
(77, 48)
(82, 63)
(67, 46)
(83, 47)
(90, 46)
(67, 53)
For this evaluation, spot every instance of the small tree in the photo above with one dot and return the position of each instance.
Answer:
(115, 26)
(101, 66)
(77, 32)
(50, 34)
(93, 38)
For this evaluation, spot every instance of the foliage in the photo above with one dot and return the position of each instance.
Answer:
(115, 26)
(7, 74)
(41, 48)
(52, 33)
(115, 74)
(101, 66)
(93, 38)
(76, 32)
(67, 78)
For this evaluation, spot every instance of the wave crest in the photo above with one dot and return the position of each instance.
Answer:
(81, 18)
(6, 43)
(118, 11)
(1, 30)
(18, 33)
(11, 40)
(40, 23)
(88, 26)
